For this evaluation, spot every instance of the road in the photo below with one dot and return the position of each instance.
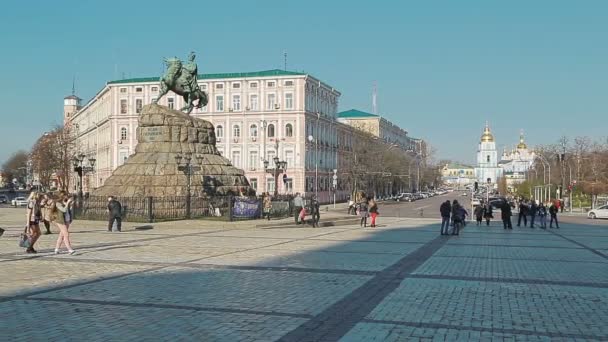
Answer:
(428, 207)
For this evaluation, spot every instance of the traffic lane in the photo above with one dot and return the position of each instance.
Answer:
(428, 207)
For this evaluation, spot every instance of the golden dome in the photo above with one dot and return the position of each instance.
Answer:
(487, 135)
(522, 145)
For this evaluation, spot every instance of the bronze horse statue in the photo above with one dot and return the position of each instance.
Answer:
(182, 80)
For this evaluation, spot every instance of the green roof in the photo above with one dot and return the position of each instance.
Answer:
(459, 166)
(265, 73)
(353, 114)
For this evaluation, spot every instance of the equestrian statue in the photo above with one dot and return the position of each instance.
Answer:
(181, 78)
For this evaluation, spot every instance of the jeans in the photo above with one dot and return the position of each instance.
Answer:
(553, 217)
(522, 215)
(532, 217)
(118, 220)
(445, 224)
(374, 215)
(507, 223)
(543, 221)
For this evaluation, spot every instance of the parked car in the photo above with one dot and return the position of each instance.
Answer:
(601, 212)
(3, 199)
(19, 202)
(405, 197)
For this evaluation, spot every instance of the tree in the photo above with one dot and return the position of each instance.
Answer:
(52, 157)
(15, 167)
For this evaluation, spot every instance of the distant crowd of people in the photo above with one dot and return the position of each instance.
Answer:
(365, 207)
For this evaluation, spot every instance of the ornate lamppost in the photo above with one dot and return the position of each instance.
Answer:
(81, 170)
(279, 168)
(188, 169)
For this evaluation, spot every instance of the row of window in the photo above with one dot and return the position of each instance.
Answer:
(235, 85)
(255, 162)
(287, 187)
(253, 131)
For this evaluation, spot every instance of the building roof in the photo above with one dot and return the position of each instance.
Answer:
(453, 166)
(355, 114)
(264, 73)
(72, 97)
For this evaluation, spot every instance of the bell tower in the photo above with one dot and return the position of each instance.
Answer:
(71, 104)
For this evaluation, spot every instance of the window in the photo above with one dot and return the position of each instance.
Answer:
(270, 84)
(139, 103)
(203, 86)
(154, 89)
(289, 101)
(253, 131)
(253, 183)
(271, 131)
(271, 101)
(253, 85)
(270, 156)
(123, 156)
(289, 185)
(289, 158)
(123, 106)
(123, 90)
(270, 185)
(153, 99)
(236, 102)
(219, 131)
(289, 83)
(171, 102)
(236, 131)
(488, 159)
(123, 133)
(219, 103)
(236, 85)
(289, 130)
(236, 158)
(139, 89)
(253, 160)
(219, 86)
(253, 102)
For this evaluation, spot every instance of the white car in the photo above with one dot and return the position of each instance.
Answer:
(19, 202)
(601, 212)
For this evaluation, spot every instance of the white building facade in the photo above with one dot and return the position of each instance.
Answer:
(257, 116)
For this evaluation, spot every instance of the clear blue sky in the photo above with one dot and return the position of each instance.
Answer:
(443, 67)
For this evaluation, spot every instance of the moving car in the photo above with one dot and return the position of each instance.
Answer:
(405, 197)
(601, 212)
(19, 202)
(3, 199)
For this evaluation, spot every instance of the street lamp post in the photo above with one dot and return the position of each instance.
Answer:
(81, 170)
(279, 168)
(316, 141)
(188, 169)
(263, 125)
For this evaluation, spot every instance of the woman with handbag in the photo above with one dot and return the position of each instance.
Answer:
(59, 213)
(47, 204)
(33, 217)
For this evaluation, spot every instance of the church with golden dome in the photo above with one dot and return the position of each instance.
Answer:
(487, 169)
(513, 165)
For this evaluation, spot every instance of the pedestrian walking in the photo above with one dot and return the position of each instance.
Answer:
(561, 206)
(533, 212)
(373, 211)
(523, 213)
(459, 215)
(61, 217)
(32, 221)
(479, 214)
(487, 213)
(114, 214)
(315, 212)
(542, 215)
(553, 209)
(351, 206)
(446, 210)
(505, 213)
(267, 205)
(46, 206)
(298, 204)
(363, 206)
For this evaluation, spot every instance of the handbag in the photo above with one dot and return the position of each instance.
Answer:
(25, 240)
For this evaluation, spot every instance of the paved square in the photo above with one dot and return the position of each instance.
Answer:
(400, 282)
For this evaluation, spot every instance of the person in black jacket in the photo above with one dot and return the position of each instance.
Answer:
(114, 213)
(505, 212)
(533, 211)
(487, 213)
(553, 212)
(523, 213)
(445, 209)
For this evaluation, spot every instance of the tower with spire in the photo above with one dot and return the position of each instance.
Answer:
(71, 104)
(487, 158)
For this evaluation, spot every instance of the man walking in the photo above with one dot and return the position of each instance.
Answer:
(298, 204)
(445, 209)
(523, 213)
(115, 214)
(553, 212)
(533, 211)
(505, 212)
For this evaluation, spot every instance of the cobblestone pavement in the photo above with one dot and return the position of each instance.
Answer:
(200, 281)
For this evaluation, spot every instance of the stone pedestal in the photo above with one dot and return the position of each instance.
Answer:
(162, 134)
